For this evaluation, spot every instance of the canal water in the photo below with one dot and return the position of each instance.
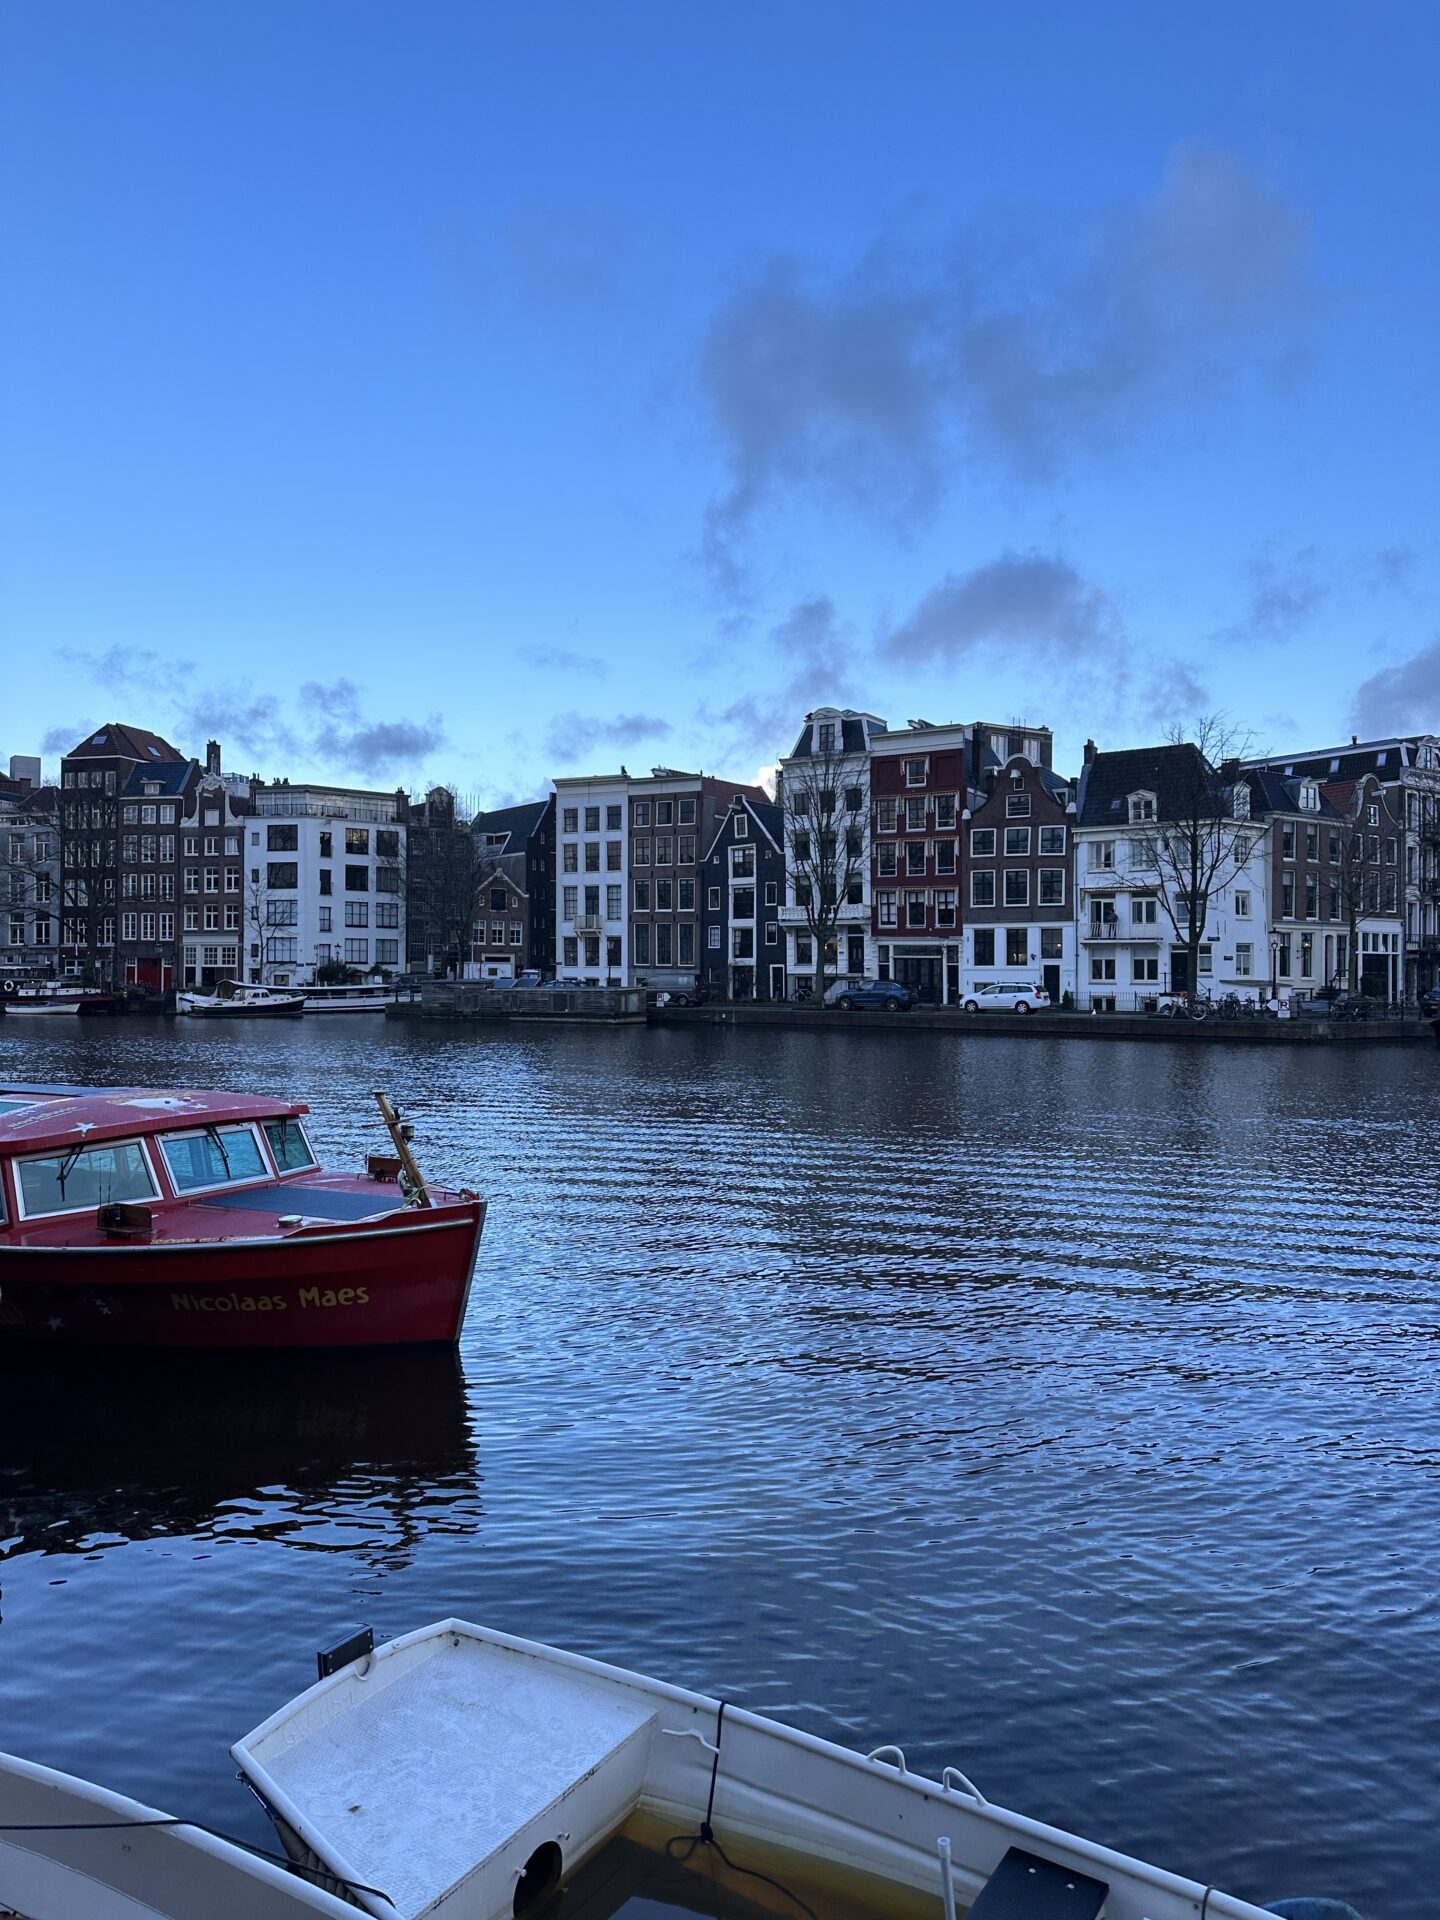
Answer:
(1063, 1411)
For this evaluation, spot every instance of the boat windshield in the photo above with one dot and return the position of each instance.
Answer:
(84, 1177)
(212, 1158)
(288, 1144)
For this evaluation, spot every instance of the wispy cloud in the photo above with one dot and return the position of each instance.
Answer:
(1404, 696)
(874, 384)
(1284, 590)
(1035, 602)
(818, 659)
(562, 660)
(570, 736)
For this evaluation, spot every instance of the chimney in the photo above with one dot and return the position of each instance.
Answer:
(1354, 739)
(212, 756)
(1089, 752)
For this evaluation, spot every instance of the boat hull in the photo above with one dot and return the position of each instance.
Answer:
(402, 1281)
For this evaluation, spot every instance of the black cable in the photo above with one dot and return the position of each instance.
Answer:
(706, 1836)
(319, 1874)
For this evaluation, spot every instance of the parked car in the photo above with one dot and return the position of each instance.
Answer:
(1006, 996)
(680, 987)
(850, 994)
(1430, 1003)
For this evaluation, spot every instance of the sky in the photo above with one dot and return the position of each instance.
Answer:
(425, 392)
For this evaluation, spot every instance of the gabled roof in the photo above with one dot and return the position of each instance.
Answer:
(509, 867)
(768, 817)
(170, 776)
(520, 821)
(1169, 772)
(132, 743)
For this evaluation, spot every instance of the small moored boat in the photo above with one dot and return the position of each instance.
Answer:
(463, 1772)
(73, 1851)
(203, 1219)
(369, 996)
(233, 1000)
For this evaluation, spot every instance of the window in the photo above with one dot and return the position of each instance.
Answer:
(1017, 842)
(1017, 886)
(685, 852)
(887, 815)
(886, 861)
(772, 893)
(640, 853)
(1052, 887)
(945, 907)
(569, 902)
(1017, 946)
(915, 909)
(212, 1158)
(742, 826)
(915, 858)
(357, 912)
(686, 954)
(1143, 910)
(686, 814)
(357, 953)
(1244, 961)
(945, 856)
(357, 879)
(1287, 840)
(1142, 806)
(387, 953)
(1017, 806)
(1282, 957)
(742, 859)
(687, 896)
(915, 772)
(288, 1146)
(1312, 896)
(1312, 842)
(712, 899)
(982, 843)
(662, 946)
(772, 934)
(642, 896)
(325, 920)
(982, 889)
(569, 858)
(664, 896)
(1052, 943)
(571, 949)
(1052, 839)
(1102, 966)
(327, 880)
(664, 813)
(1287, 898)
(592, 856)
(83, 1178)
(640, 815)
(664, 850)
(612, 856)
(886, 904)
(915, 813)
(281, 839)
(357, 840)
(804, 950)
(825, 732)
(327, 841)
(854, 799)
(1102, 856)
(945, 810)
(712, 938)
(592, 819)
(984, 946)
(1145, 967)
(570, 821)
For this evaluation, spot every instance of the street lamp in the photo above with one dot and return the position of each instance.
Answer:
(1274, 966)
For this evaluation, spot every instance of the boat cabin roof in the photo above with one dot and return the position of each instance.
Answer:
(33, 1118)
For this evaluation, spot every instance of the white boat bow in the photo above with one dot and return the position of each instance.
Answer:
(469, 1772)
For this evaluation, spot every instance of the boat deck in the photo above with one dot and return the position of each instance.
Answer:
(482, 1740)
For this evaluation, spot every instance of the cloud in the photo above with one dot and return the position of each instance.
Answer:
(240, 720)
(874, 385)
(1401, 697)
(339, 701)
(62, 739)
(819, 662)
(1035, 604)
(1390, 569)
(562, 660)
(1284, 591)
(381, 745)
(1173, 693)
(570, 735)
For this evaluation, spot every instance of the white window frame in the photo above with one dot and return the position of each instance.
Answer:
(267, 1171)
(88, 1206)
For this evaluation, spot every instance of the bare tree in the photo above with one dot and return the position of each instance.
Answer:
(825, 843)
(1205, 837)
(261, 927)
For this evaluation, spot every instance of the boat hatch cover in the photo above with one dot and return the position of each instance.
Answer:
(318, 1203)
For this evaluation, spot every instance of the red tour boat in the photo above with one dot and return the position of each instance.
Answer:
(197, 1219)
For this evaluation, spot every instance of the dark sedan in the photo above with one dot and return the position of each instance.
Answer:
(852, 994)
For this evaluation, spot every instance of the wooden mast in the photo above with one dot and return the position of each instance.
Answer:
(418, 1189)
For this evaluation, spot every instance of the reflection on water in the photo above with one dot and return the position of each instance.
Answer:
(1064, 1410)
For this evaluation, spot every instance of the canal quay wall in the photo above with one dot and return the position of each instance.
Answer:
(627, 1005)
(1058, 1025)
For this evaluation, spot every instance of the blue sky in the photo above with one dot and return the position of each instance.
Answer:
(452, 392)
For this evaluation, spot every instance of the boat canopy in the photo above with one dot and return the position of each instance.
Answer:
(61, 1118)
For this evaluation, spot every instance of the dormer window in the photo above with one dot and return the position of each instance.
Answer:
(1142, 806)
(1241, 802)
(1309, 797)
(915, 772)
(825, 736)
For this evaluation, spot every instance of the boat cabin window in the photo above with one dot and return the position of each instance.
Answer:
(84, 1178)
(288, 1144)
(212, 1158)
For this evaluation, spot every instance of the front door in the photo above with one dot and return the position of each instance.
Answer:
(1052, 984)
(1179, 969)
(922, 977)
(742, 985)
(855, 956)
(777, 982)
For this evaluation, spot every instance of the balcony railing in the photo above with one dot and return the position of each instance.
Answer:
(589, 923)
(1102, 930)
(847, 915)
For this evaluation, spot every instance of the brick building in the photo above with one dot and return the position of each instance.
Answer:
(1018, 884)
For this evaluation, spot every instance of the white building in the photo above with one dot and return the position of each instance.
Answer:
(324, 882)
(834, 746)
(1128, 915)
(592, 879)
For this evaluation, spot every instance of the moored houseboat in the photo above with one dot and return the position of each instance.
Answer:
(366, 996)
(234, 1000)
(203, 1219)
